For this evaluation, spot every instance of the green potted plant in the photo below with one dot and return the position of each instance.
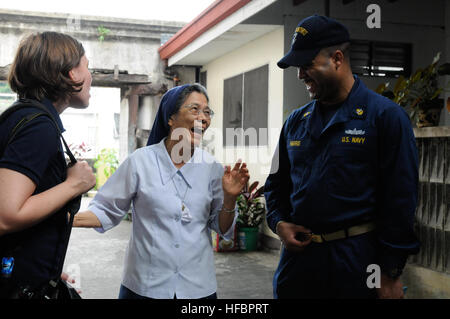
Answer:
(420, 93)
(250, 215)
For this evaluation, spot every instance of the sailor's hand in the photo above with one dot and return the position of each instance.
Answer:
(289, 233)
(65, 277)
(390, 288)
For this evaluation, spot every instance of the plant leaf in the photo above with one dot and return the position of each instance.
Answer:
(436, 58)
(416, 76)
(258, 193)
(381, 88)
(252, 187)
(401, 82)
(436, 94)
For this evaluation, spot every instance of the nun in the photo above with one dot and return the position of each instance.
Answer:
(177, 192)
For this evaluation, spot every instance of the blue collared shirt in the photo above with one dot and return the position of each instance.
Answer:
(363, 165)
(167, 254)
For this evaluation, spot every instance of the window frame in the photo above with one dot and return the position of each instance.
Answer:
(261, 140)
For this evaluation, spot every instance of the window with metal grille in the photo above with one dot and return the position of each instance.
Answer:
(381, 59)
(245, 108)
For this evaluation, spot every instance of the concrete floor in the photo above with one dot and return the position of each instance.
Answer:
(96, 261)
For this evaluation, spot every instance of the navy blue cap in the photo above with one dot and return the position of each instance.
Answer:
(311, 35)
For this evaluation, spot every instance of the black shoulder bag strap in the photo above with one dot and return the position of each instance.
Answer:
(74, 205)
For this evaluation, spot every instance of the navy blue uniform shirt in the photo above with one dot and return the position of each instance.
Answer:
(37, 153)
(362, 166)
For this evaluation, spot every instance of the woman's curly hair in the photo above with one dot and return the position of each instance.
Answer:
(42, 64)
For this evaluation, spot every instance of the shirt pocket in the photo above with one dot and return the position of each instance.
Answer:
(301, 162)
(350, 171)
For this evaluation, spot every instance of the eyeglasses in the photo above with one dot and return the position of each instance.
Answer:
(195, 110)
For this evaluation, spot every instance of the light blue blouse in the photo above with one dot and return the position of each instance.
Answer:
(168, 253)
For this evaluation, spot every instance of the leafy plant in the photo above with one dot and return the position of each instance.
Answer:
(108, 160)
(419, 92)
(102, 33)
(250, 209)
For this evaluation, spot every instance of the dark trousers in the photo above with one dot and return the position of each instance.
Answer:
(330, 270)
(126, 293)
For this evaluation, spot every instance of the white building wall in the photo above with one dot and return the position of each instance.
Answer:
(244, 59)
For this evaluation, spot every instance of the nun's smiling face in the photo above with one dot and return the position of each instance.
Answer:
(191, 121)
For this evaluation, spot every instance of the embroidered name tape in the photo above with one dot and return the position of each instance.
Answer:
(295, 143)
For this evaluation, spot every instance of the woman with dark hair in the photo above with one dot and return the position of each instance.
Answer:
(49, 69)
(178, 193)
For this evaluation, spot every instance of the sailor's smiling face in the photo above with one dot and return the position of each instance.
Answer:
(320, 77)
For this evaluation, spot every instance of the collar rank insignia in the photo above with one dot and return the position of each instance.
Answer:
(359, 112)
(306, 114)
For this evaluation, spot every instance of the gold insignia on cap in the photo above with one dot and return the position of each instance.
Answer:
(301, 30)
(359, 112)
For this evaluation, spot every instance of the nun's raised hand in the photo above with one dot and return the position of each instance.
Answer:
(234, 180)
